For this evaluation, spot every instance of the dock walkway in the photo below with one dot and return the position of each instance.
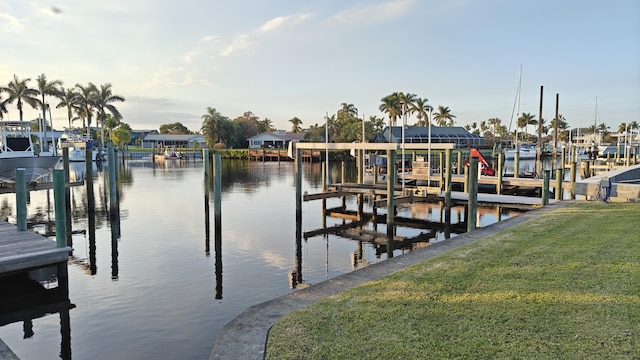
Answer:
(26, 250)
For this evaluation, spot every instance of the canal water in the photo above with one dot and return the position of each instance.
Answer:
(150, 283)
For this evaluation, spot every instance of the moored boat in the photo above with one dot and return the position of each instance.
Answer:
(18, 151)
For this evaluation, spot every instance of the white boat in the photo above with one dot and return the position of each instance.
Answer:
(17, 151)
(527, 152)
(76, 144)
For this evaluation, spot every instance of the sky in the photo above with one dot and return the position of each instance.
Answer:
(281, 59)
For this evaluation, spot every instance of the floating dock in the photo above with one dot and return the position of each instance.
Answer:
(22, 251)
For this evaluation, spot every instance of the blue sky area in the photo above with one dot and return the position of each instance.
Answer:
(286, 58)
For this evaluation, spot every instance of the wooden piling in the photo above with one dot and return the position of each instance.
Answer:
(473, 194)
(342, 173)
(67, 194)
(391, 181)
(21, 199)
(217, 194)
(500, 173)
(545, 187)
(113, 195)
(324, 176)
(447, 184)
(516, 163)
(559, 177)
(459, 163)
(60, 208)
(572, 179)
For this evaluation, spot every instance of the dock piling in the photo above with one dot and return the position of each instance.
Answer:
(546, 174)
(473, 194)
(60, 208)
(21, 199)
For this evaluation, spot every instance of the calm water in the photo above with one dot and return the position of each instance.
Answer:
(152, 291)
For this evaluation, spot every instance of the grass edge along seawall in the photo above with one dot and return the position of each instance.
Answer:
(563, 285)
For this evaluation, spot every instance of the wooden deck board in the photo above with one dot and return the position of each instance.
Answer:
(24, 250)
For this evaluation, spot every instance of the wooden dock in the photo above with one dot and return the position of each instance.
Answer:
(22, 251)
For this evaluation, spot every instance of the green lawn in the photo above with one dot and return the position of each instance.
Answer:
(565, 285)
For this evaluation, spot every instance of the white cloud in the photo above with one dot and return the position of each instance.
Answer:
(241, 42)
(281, 21)
(11, 24)
(376, 12)
(188, 58)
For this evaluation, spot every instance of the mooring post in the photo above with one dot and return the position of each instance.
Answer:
(323, 168)
(375, 175)
(113, 196)
(458, 164)
(466, 179)
(559, 178)
(546, 174)
(67, 194)
(21, 199)
(342, 170)
(441, 166)
(585, 169)
(391, 181)
(500, 173)
(207, 166)
(572, 179)
(217, 196)
(60, 208)
(516, 163)
(563, 157)
(447, 185)
(472, 194)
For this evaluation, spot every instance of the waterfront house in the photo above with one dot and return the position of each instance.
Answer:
(278, 139)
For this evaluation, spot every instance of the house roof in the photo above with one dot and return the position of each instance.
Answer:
(437, 132)
(172, 137)
(278, 136)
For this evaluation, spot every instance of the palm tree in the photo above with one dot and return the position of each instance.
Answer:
(406, 103)
(3, 108)
(69, 100)
(50, 88)
(348, 110)
(421, 109)
(86, 100)
(524, 120)
(444, 116)
(494, 123)
(295, 128)
(265, 126)
(211, 126)
(104, 102)
(19, 91)
(391, 106)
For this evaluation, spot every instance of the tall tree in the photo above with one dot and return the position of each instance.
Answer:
(524, 120)
(174, 128)
(19, 91)
(494, 123)
(421, 109)
(295, 125)
(265, 125)
(68, 99)
(443, 116)
(406, 104)
(391, 106)
(3, 108)
(86, 100)
(104, 102)
(47, 88)
(212, 126)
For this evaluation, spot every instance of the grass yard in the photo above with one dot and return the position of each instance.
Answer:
(565, 285)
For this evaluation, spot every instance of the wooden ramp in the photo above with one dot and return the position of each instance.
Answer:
(26, 250)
